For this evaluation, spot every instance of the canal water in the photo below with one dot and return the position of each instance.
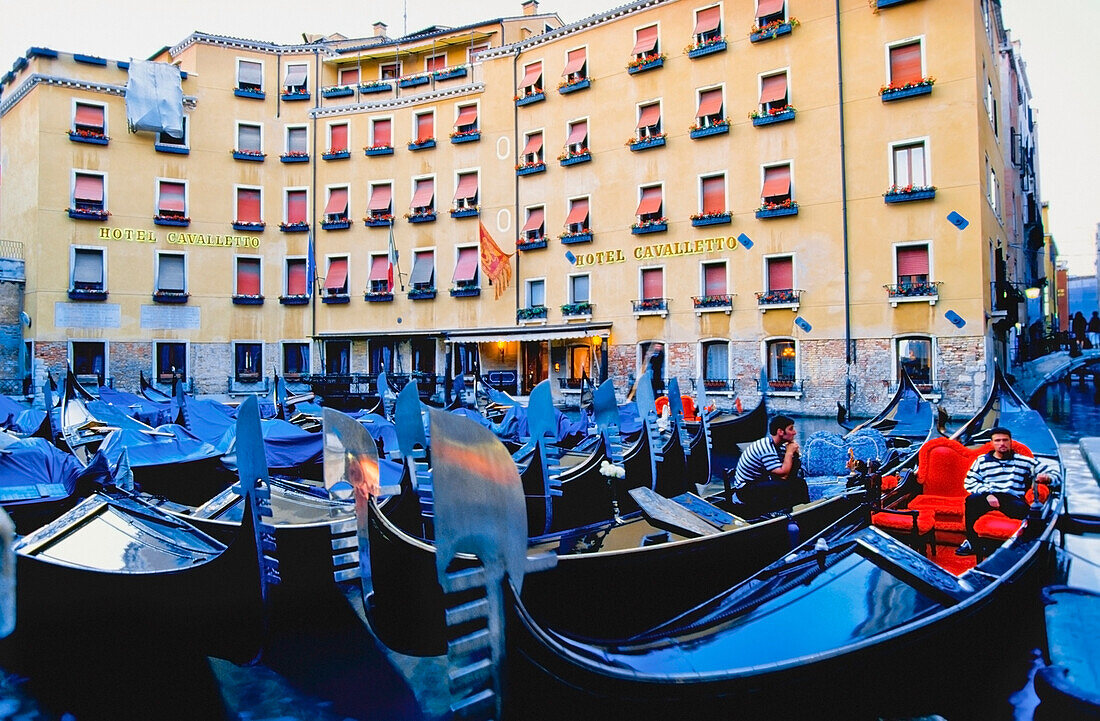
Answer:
(324, 666)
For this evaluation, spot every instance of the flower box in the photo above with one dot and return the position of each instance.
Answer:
(700, 220)
(466, 137)
(249, 93)
(776, 299)
(413, 81)
(574, 310)
(646, 143)
(88, 214)
(772, 30)
(336, 155)
(780, 116)
(248, 300)
(716, 129)
(87, 294)
(465, 212)
(713, 303)
(902, 195)
(175, 220)
(89, 59)
(170, 296)
(532, 244)
(535, 312)
(576, 159)
(584, 236)
(336, 299)
(370, 88)
(248, 226)
(655, 226)
(530, 168)
(421, 293)
(785, 387)
(465, 292)
(531, 98)
(302, 299)
(379, 150)
(378, 221)
(880, 4)
(171, 148)
(339, 91)
(338, 224)
(294, 157)
(650, 306)
(421, 217)
(650, 62)
(566, 88)
(450, 73)
(422, 145)
(253, 155)
(294, 227)
(372, 297)
(85, 136)
(890, 94)
(707, 48)
(296, 95)
(777, 211)
(929, 291)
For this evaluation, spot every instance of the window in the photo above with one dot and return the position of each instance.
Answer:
(381, 133)
(89, 119)
(249, 206)
(773, 93)
(336, 209)
(650, 205)
(535, 226)
(338, 138)
(423, 200)
(466, 268)
(297, 77)
(171, 273)
(172, 199)
(380, 205)
(649, 121)
(295, 207)
(423, 272)
(473, 50)
(348, 76)
(297, 141)
(336, 277)
(914, 356)
(531, 84)
(708, 25)
(777, 185)
(89, 269)
(424, 127)
(296, 279)
(905, 63)
(381, 356)
(181, 141)
(578, 219)
(435, 62)
(536, 293)
(423, 356)
(250, 75)
(576, 141)
(910, 169)
(88, 195)
(338, 357)
(466, 120)
(716, 364)
(651, 357)
(769, 11)
(295, 360)
(89, 361)
(580, 363)
(709, 110)
(994, 191)
(779, 273)
(712, 195)
(579, 288)
(381, 274)
(532, 149)
(653, 283)
(249, 138)
(389, 71)
(782, 363)
(645, 42)
(576, 66)
(248, 362)
(248, 277)
(171, 361)
(912, 266)
(714, 278)
(466, 192)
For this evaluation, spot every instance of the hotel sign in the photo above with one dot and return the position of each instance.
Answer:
(135, 235)
(658, 250)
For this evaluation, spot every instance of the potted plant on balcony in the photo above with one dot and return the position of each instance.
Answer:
(649, 305)
(377, 86)
(527, 97)
(644, 143)
(714, 217)
(651, 225)
(89, 213)
(465, 136)
(258, 155)
(249, 225)
(337, 154)
(570, 85)
(571, 157)
(83, 135)
(773, 115)
(337, 91)
(299, 227)
(646, 62)
(422, 144)
(530, 167)
(707, 46)
(379, 149)
(534, 312)
(905, 193)
(716, 127)
(897, 91)
(466, 211)
(248, 299)
(377, 220)
(574, 309)
(166, 219)
(420, 216)
(773, 29)
(774, 210)
(170, 296)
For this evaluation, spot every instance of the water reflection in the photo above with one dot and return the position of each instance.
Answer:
(1071, 409)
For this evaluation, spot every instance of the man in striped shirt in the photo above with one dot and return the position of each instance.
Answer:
(998, 481)
(768, 474)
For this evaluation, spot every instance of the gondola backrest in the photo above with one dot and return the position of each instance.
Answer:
(942, 464)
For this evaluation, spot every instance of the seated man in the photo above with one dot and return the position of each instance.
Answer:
(768, 474)
(998, 481)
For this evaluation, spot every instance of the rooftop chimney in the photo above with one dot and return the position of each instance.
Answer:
(530, 7)
(379, 30)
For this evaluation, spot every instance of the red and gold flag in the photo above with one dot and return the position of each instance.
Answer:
(495, 263)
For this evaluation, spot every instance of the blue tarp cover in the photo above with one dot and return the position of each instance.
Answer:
(285, 445)
(33, 470)
(143, 409)
(170, 444)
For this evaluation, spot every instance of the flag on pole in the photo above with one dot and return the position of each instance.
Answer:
(495, 262)
(393, 261)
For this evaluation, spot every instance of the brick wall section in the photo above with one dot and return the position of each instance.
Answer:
(11, 328)
(965, 372)
(126, 361)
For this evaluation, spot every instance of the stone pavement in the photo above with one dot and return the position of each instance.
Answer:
(1090, 449)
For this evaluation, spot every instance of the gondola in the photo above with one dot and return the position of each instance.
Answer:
(727, 430)
(908, 417)
(1068, 685)
(1005, 407)
(150, 392)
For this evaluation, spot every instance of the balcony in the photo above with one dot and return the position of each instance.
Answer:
(908, 194)
(707, 47)
(777, 210)
(573, 86)
(644, 64)
(376, 87)
(530, 168)
(658, 225)
(577, 311)
(722, 302)
(336, 223)
(772, 30)
(778, 299)
(890, 93)
(336, 154)
(531, 314)
(337, 91)
(378, 221)
(88, 214)
(465, 291)
(650, 306)
(913, 292)
(525, 244)
(421, 217)
(581, 236)
(421, 293)
(575, 158)
(297, 299)
(720, 127)
(530, 98)
(249, 226)
(248, 299)
(465, 136)
(301, 227)
(781, 386)
(652, 141)
(251, 93)
(375, 150)
(771, 117)
(726, 386)
(699, 220)
(172, 297)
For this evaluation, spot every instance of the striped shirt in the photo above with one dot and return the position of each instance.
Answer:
(756, 463)
(1014, 474)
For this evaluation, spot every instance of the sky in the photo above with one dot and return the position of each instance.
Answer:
(1059, 48)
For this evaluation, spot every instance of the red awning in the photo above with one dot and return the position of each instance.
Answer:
(765, 8)
(89, 187)
(650, 202)
(534, 220)
(646, 40)
(296, 206)
(777, 181)
(905, 64)
(338, 138)
(577, 133)
(913, 261)
(248, 205)
(707, 19)
(425, 127)
(714, 279)
(649, 116)
(337, 274)
(773, 88)
(248, 276)
(534, 144)
(714, 194)
(578, 212)
(90, 116)
(531, 75)
(380, 267)
(466, 116)
(466, 268)
(172, 197)
(382, 132)
(574, 61)
(780, 274)
(710, 103)
(422, 198)
(380, 197)
(467, 186)
(337, 201)
(296, 278)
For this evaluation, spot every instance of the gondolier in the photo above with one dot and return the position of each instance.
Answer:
(768, 476)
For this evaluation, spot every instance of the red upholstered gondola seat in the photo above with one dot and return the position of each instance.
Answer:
(686, 401)
(942, 464)
(914, 527)
(997, 526)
